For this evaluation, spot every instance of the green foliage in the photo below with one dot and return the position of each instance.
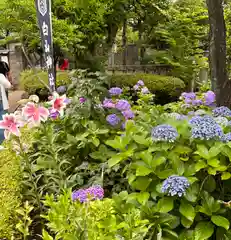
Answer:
(25, 220)
(166, 88)
(10, 176)
(93, 220)
(29, 81)
(9, 194)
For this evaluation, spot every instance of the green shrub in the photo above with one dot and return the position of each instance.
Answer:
(10, 188)
(9, 194)
(30, 83)
(166, 88)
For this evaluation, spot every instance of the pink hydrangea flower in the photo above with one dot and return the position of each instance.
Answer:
(35, 114)
(10, 124)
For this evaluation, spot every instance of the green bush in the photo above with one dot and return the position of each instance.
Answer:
(166, 88)
(30, 83)
(10, 199)
(9, 194)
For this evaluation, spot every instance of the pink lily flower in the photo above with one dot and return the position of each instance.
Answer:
(10, 124)
(59, 104)
(35, 114)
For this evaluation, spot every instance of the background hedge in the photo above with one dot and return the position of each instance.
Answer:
(166, 88)
(30, 83)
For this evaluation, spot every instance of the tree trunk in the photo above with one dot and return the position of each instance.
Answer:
(218, 52)
(124, 42)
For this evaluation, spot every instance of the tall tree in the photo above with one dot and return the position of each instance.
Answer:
(218, 64)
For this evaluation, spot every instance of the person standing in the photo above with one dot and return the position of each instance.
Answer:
(4, 85)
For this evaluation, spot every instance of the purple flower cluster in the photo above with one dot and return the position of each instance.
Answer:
(122, 105)
(115, 91)
(141, 86)
(108, 103)
(113, 119)
(89, 194)
(210, 98)
(164, 133)
(222, 112)
(205, 128)
(82, 100)
(175, 186)
(190, 99)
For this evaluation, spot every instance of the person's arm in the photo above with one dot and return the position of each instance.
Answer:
(4, 81)
(9, 76)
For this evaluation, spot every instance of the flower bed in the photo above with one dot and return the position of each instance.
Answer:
(102, 167)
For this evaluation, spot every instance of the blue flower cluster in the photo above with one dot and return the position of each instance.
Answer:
(164, 133)
(175, 186)
(205, 128)
(226, 138)
(222, 112)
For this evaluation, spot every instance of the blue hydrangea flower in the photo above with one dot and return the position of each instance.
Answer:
(175, 186)
(226, 137)
(165, 133)
(113, 119)
(123, 105)
(115, 91)
(89, 194)
(222, 112)
(205, 128)
(222, 121)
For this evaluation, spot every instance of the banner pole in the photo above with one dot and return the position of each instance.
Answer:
(43, 9)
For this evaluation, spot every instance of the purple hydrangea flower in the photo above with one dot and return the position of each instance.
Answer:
(210, 98)
(226, 137)
(188, 100)
(113, 119)
(165, 133)
(108, 103)
(61, 89)
(136, 87)
(115, 91)
(67, 101)
(54, 114)
(79, 195)
(145, 90)
(140, 83)
(82, 100)
(123, 105)
(128, 114)
(89, 194)
(205, 128)
(197, 102)
(222, 112)
(190, 95)
(175, 186)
